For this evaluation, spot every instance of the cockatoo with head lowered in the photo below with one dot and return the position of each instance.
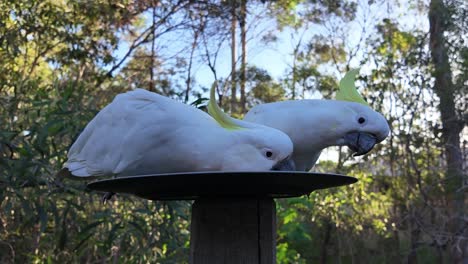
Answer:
(142, 132)
(314, 125)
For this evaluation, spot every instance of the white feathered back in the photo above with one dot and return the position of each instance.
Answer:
(141, 132)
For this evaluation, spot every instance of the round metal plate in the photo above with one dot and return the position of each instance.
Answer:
(194, 185)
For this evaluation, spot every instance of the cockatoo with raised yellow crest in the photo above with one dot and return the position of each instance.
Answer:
(142, 132)
(314, 125)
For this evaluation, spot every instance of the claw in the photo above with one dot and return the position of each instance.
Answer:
(107, 196)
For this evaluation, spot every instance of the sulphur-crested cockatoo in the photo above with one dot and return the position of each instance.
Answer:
(142, 132)
(314, 125)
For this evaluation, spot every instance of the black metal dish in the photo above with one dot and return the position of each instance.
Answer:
(195, 185)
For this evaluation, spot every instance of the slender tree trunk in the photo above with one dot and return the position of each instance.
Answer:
(294, 77)
(233, 56)
(395, 252)
(189, 70)
(242, 24)
(294, 69)
(414, 240)
(153, 53)
(326, 242)
(439, 18)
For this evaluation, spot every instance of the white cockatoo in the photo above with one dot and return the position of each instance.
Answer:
(314, 125)
(142, 132)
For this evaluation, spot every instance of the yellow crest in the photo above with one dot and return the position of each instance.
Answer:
(217, 113)
(348, 91)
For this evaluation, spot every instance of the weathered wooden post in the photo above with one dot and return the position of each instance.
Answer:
(233, 231)
(234, 213)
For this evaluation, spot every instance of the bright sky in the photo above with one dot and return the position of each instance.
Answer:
(276, 57)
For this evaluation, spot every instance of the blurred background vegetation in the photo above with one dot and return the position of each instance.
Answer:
(61, 61)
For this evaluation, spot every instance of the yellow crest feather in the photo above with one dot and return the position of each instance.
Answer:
(217, 113)
(348, 91)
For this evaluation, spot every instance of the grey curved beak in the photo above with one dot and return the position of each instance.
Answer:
(360, 142)
(285, 165)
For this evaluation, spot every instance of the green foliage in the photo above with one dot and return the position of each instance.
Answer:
(48, 80)
(297, 13)
(263, 88)
(396, 42)
(260, 86)
(139, 73)
(309, 224)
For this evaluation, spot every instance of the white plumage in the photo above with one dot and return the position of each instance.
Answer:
(142, 132)
(314, 125)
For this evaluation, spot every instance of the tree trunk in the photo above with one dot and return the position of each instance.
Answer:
(294, 69)
(242, 24)
(294, 77)
(233, 56)
(444, 88)
(414, 240)
(326, 242)
(188, 81)
(151, 85)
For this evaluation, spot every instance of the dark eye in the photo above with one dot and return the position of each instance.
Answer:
(361, 120)
(268, 154)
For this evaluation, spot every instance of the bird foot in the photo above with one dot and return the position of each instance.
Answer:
(107, 196)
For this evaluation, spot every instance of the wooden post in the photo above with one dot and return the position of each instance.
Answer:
(233, 231)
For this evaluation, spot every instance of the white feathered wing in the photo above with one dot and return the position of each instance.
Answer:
(142, 132)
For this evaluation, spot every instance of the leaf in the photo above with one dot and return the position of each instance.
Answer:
(42, 217)
(137, 227)
(112, 234)
(63, 232)
(83, 236)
